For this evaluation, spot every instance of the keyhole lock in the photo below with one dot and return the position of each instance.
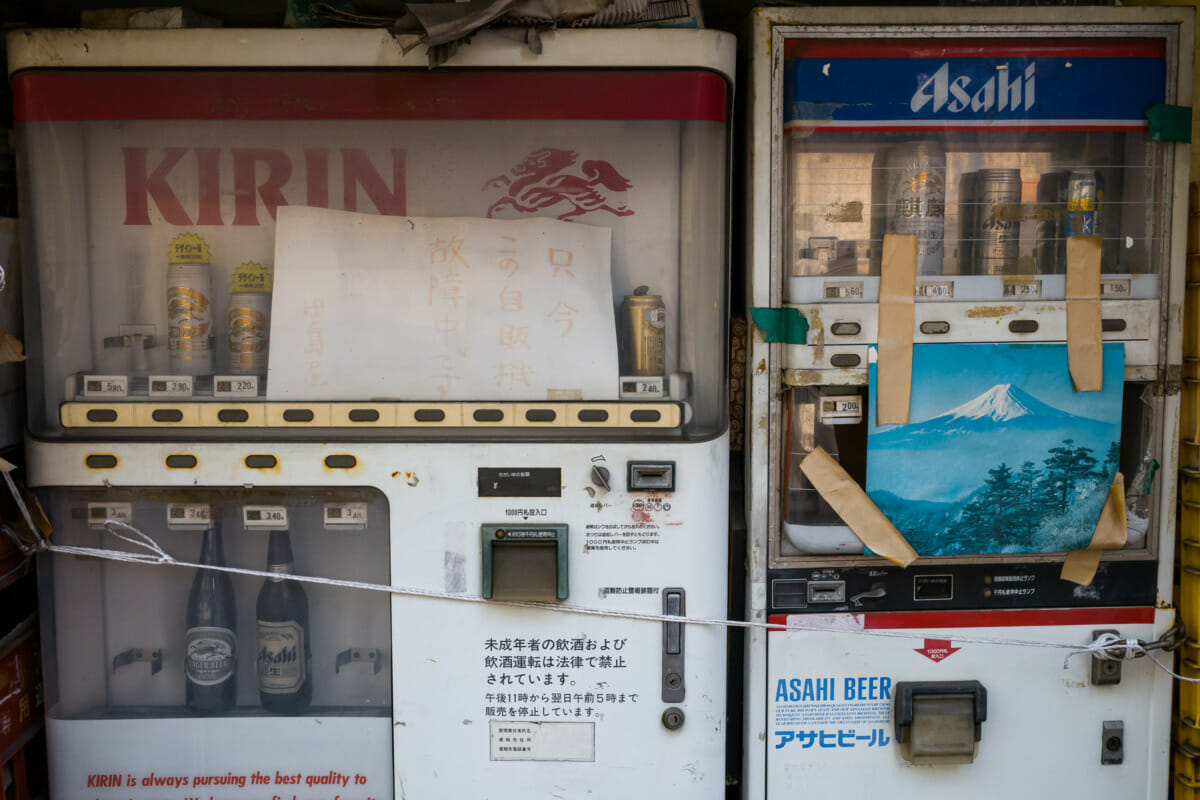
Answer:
(672, 718)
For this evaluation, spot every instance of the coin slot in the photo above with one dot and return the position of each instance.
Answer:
(233, 415)
(363, 415)
(429, 415)
(1023, 326)
(489, 415)
(845, 329)
(593, 415)
(341, 462)
(651, 476)
(298, 415)
(102, 415)
(181, 461)
(645, 415)
(101, 461)
(935, 327)
(166, 415)
(845, 360)
(1114, 325)
(261, 461)
(541, 415)
(826, 591)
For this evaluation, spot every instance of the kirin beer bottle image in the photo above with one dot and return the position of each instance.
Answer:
(284, 652)
(210, 660)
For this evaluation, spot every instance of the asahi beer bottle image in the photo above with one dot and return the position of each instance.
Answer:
(189, 306)
(210, 653)
(284, 652)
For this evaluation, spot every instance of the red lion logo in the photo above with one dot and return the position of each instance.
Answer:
(533, 185)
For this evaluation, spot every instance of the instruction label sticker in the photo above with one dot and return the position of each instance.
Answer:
(542, 741)
(831, 712)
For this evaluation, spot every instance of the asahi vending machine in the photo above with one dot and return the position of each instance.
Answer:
(965, 266)
(448, 344)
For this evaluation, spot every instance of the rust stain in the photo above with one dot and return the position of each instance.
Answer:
(761, 368)
(988, 312)
(639, 516)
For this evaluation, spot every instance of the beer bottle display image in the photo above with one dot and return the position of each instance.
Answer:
(284, 652)
(210, 654)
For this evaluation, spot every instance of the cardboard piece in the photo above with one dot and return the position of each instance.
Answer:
(1111, 533)
(897, 285)
(11, 348)
(851, 503)
(1084, 341)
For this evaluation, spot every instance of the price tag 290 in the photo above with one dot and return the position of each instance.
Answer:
(189, 516)
(265, 518)
(99, 513)
(345, 516)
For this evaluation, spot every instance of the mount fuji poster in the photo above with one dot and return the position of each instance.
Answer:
(1001, 454)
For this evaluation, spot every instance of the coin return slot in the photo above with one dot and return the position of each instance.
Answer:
(1115, 325)
(540, 415)
(233, 415)
(298, 415)
(488, 415)
(363, 415)
(826, 591)
(181, 462)
(429, 415)
(102, 415)
(1023, 326)
(166, 415)
(341, 462)
(261, 462)
(101, 461)
(592, 415)
(845, 360)
(935, 327)
(845, 329)
(524, 563)
(649, 476)
(939, 722)
(645, 415)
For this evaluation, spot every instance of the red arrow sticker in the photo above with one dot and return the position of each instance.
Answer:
(937, 649)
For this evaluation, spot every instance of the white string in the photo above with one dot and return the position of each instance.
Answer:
(1108, 646)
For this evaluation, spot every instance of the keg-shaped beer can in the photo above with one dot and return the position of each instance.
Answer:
(249, 319)
(1050, 246)
(997, 246)
(189, 306)
(916, 199)
(643, 334)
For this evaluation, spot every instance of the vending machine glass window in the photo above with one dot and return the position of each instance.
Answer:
(164, 300)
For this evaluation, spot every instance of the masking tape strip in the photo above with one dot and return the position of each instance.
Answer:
(1169, 123)
(785, 325)
(856, 509)
(1110, 534)
(897, 284)
(1085, 347)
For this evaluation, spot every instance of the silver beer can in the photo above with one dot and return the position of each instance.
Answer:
(189, 319)
(997, 246)
(249, 332)
(1049, 249)
(643, 334)
(1085, 203)
(916, 199)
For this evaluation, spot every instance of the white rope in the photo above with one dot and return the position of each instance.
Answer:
(1106, 646)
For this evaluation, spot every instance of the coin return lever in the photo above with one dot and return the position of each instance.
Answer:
(524, 562)
(939, 722)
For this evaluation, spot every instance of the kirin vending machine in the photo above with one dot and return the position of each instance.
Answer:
(965, 258)
(449, 345)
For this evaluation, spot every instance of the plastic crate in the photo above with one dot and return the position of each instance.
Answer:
(1189, 485)
(1191, 319)
(1189, 695)
(1189, 596)
(1186, 790)
(1187, 763)
(1187, 733)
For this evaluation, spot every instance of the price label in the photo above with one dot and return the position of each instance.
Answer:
(105, 385)
(1023, 289)
(1117, 288)
(844, 290)
(99, 513)
(265, 518)
(641, 388)
(171, 386)
(235, 386)
(189, 516)
(345, 516)
(847, 407)
(939, 290)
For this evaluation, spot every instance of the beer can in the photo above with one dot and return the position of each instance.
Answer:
(997, 246)
(917, 199)
(249, 332)
(968, 221)
(1050, 246)
(643, 334)
(1085, 203)
(189, 319)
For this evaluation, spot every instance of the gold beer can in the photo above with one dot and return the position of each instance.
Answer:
(189, 306)
(643, 334)
(249, 319)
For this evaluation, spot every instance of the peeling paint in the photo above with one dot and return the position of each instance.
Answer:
(761, 368)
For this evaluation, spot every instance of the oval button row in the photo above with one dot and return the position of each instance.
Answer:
(188, 461)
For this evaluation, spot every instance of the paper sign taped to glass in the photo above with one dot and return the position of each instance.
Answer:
(410, 308)
(1001, 454)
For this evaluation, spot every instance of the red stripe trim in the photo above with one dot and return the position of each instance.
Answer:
(395, 95)
(1001, 618)
(974, 48)
(908, 128)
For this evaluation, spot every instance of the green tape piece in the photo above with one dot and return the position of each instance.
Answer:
(785, 325)
(1169, 123)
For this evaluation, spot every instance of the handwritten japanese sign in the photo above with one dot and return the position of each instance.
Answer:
(409, 308)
